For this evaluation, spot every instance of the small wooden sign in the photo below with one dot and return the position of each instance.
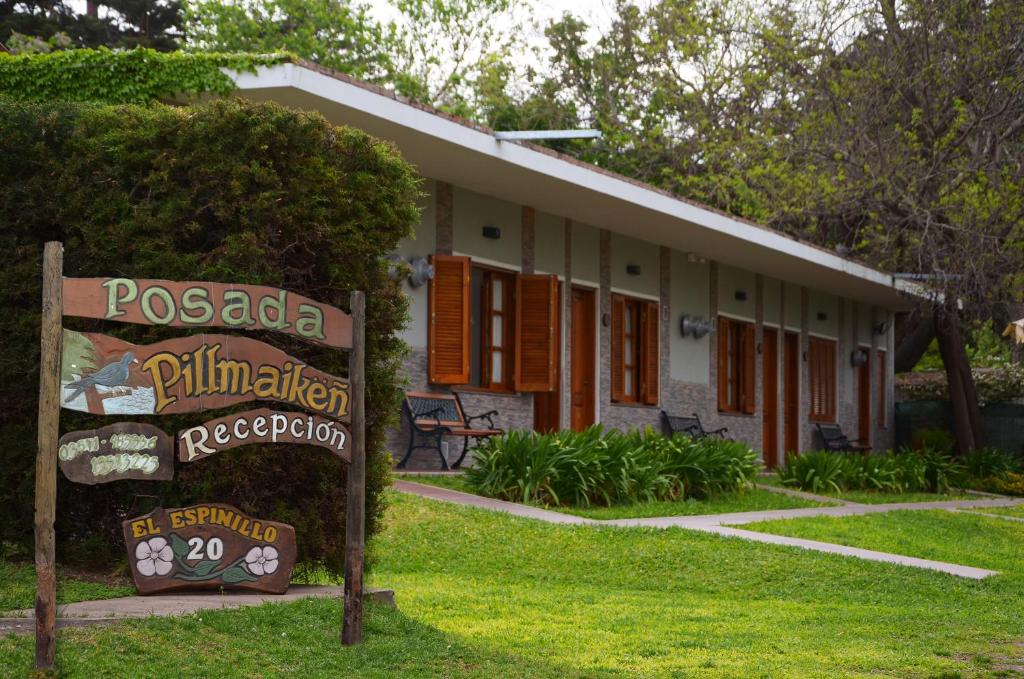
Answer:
(261, 426)
(193, 304)
(123, 450)
(208, 546)
(104, 375)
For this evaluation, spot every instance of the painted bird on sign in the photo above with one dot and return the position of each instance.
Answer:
(111, 375)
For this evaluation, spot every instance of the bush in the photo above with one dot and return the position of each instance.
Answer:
(1011, 483)
(604, 468)
(984, 463)
(230, 192)
(901, 471)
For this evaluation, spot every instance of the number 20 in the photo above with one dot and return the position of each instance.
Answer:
(214, 549)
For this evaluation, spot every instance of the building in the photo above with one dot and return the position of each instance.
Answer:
(560, 291)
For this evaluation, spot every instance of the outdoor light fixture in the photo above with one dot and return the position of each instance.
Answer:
(694, 325)
(822, 316)
(740, 295)
(858, 357)
(492, 232)
(418, 269)
(421, 271)
(633, 269)
(881, 328)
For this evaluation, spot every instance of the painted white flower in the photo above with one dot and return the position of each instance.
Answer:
(261, 560)
(154, 556)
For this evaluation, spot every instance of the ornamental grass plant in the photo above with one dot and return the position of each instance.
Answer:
(901, 471)
(598, 467)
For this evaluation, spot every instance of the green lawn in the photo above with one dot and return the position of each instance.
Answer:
(967, 539)
(488, 595)
(18, 587)
(750, 501)
(874, 497)
(1016, 510)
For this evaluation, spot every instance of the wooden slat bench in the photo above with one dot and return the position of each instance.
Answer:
(833, 438)
(691, 426)
(432, 416)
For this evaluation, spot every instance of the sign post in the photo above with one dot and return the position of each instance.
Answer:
(352, 623)
(46, 454)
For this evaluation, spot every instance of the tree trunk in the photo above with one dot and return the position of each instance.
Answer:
(963, 396)
(914, 332)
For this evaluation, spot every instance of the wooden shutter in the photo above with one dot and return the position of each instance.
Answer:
(536, 346)
(651, 323)
(748, 368)
(448, 347)
(881, 389)
(821, 360)
(723, 363)
(618, 343)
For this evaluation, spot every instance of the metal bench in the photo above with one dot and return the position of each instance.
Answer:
(691, 426)
(432, 416)
(833, 438)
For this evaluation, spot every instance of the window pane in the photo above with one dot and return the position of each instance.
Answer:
(497, 331)
(497, 293)
(628, 351)
(628, 320)
(496, 364)
(628, 382)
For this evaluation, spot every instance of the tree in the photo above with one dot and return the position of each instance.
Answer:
(913, 136)
(336, 34)
(433, 52)
(42, 25)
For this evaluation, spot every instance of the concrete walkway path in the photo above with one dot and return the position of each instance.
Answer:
(106, 611)
(721, 524)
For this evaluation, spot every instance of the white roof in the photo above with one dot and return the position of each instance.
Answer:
(450, 149)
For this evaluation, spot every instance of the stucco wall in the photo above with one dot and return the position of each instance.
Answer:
(730, 282)
(690, 293)
(586, 253)
(549, 244)
(471, 212)
(629, 251)
(421, 244)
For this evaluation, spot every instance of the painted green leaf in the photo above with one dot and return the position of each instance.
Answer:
(236, 574)
(178, 546)
(204, 567)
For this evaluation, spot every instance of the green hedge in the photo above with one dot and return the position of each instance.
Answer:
(595, 467)
(233, 192)
(137, 76)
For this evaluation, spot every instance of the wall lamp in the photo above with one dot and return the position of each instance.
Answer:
(881, 328)
(633, 269)
(695, 326)
(419, 270)
(858, 357)
(822, 316)
(740, 295)
(492, 232)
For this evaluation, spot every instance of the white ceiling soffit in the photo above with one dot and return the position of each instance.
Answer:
(450, 151)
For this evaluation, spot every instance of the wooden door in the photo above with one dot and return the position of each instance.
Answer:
(582, 348)
(770, 397)
(791, 393)
(864, 402)
(547, 405)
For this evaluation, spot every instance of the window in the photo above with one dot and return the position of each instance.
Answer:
(491, 328)
(881, 389)
(736, 366)
(635, 357)
(821, 359)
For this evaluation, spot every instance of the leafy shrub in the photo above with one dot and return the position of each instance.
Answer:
(984, 463)
(1012, 483)
(897, 472)
(231, 192)
(604, 468)
(935, 439)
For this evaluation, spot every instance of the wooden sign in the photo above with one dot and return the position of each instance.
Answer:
(261, 426)
(123, 450)
(104, 375)
(192, 304)
(208, 546)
